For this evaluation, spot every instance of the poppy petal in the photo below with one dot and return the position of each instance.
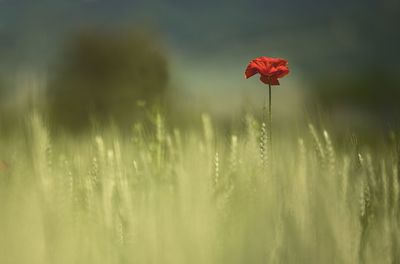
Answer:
(264, 79)
(250, 70)
(281, 71)
(269, 80)
(270, 69)
(274, 80)
(255, 66)
(278, 62)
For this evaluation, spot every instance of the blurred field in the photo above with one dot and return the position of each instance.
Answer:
(106, 155)
(200, 195)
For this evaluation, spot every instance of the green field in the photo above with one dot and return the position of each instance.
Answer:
(163, 195)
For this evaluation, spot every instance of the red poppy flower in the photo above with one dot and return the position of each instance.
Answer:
(270, 69)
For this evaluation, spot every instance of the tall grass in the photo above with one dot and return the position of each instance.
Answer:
(164, 195)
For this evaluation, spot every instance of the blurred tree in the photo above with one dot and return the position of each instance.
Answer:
(7, 117)
(2, 92)
(373, 90)
(106, 76)
(368, 99)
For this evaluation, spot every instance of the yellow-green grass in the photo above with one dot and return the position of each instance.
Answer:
(162, 195)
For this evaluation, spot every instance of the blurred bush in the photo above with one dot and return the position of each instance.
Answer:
(105, 76)
(3, 92)
(374, 92)
(5, 117)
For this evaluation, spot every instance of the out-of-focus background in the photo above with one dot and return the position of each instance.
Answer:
(89, 61)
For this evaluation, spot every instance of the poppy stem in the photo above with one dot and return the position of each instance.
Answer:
(270, 119)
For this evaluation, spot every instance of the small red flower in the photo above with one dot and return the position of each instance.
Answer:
(270, 69)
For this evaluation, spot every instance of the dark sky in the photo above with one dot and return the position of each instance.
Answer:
(355, 29)
(316, 36)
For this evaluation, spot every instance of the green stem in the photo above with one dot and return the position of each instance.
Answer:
(270, 121)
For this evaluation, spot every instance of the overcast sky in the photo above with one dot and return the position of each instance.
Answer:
(316, 36)
(209, 26)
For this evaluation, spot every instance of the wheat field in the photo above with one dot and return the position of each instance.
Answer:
(164, 195)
